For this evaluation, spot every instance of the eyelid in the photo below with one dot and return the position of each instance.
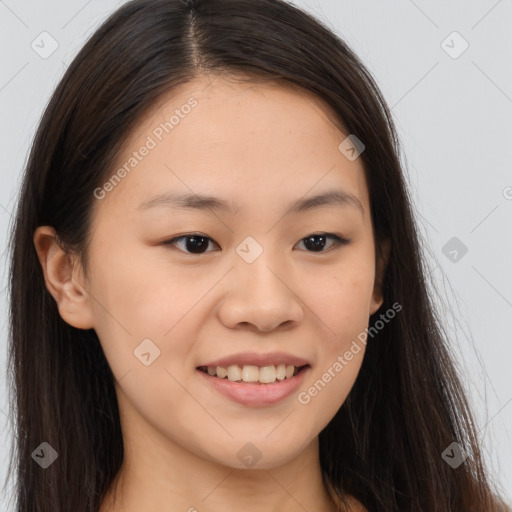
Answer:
(338, 239)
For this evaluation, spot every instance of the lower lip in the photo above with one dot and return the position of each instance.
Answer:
(256, 394)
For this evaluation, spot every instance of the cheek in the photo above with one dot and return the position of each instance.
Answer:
(342, 307)
(340, 356)
(342, 301)
(328, 388)
(136, 302)
(147, 299)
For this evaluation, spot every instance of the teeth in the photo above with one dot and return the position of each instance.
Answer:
(221, 372)
(250, 373)
(234, 373)
(267, 374)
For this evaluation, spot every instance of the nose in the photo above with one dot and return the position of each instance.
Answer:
(260, 295)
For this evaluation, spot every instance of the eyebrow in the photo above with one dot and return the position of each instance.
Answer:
(205, 202)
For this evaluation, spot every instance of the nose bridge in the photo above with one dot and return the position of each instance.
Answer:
(260, 292)
(259, 268)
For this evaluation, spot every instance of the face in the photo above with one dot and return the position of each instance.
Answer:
(174, 287)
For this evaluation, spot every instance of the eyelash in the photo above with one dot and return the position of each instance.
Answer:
(338, 241)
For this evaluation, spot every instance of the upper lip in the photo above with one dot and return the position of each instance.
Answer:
(255, 359)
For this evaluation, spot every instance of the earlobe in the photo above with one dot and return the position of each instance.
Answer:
(63, 279)
(381, 265)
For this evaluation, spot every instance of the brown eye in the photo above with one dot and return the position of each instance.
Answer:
(193, 244)
(198, 244)
(317, 242)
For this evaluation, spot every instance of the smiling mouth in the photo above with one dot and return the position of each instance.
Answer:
(250, 374)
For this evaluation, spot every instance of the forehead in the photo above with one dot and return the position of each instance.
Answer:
(256, 144)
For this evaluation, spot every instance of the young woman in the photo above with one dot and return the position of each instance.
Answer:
(218, 295)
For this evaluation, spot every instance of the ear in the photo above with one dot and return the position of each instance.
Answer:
(380, 268)
(62, 276)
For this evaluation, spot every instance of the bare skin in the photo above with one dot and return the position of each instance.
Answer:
(264, 147)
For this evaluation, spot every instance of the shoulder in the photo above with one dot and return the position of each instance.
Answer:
(355, 505)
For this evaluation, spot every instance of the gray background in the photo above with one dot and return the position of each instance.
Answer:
(453, 117)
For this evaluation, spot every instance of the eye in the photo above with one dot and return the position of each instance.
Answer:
(194, 243)
(317, 241)
(197, 243)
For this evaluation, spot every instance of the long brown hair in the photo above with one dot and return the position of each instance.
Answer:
(384, 446)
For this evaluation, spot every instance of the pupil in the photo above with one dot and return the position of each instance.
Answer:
(315, 246)
(191, 247)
